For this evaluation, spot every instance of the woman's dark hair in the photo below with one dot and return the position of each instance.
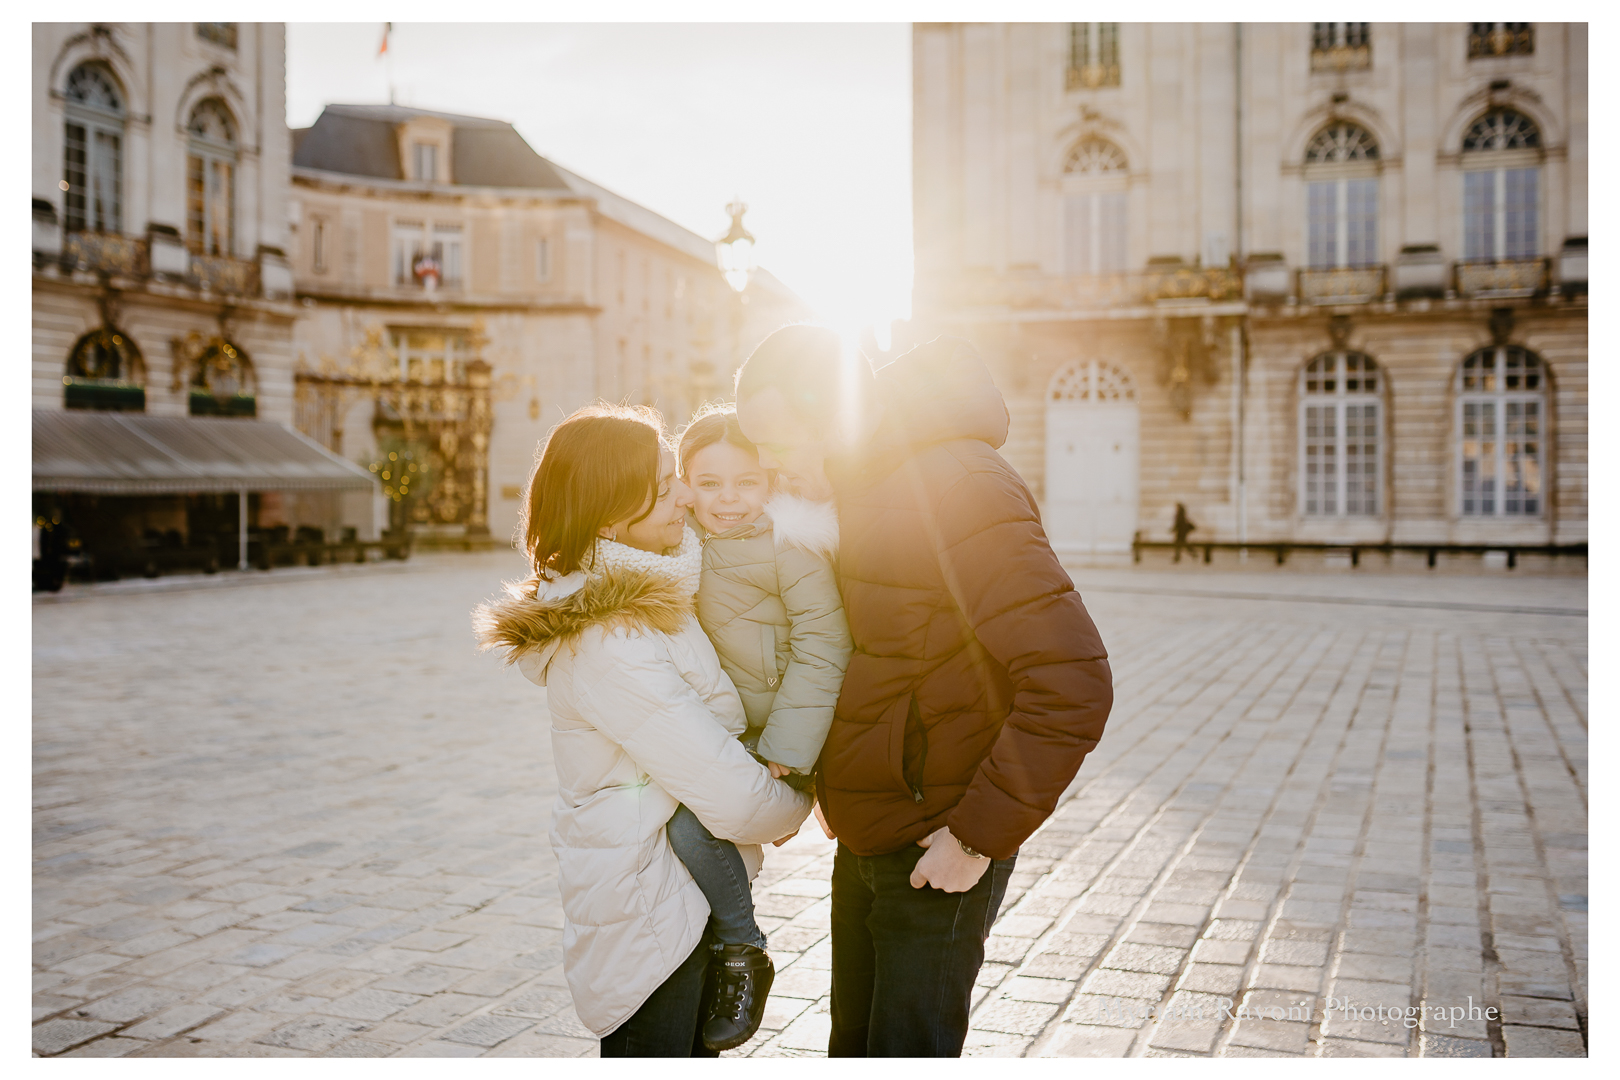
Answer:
(596, 467)
(805, 363)
(714, 423)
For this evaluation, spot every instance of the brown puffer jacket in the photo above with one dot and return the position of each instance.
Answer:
(978, 682)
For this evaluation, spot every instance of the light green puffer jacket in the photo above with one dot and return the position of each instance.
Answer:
(769, 601)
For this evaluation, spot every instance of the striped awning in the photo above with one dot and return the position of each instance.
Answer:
(109, 453)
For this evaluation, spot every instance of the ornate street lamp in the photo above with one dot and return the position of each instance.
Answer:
(736, 249)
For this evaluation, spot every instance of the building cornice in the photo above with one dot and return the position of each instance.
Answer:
(439, 302)
(415, 189)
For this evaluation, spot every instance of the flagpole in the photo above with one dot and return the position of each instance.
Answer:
(388, 59)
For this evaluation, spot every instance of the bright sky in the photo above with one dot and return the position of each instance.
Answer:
(810, 124)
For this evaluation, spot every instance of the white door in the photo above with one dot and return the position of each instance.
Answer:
(1092, 433)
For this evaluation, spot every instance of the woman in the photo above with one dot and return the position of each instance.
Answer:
(642, 720)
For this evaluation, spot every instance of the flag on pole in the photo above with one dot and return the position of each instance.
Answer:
(387, 29)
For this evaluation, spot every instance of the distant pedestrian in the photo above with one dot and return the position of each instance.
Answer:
(1183, 526)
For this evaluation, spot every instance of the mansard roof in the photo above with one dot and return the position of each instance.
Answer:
(359, 140)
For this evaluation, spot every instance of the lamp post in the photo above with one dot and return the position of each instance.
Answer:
(736, 249)
(736, 257)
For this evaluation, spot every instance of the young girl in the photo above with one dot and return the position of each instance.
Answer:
(769, 601)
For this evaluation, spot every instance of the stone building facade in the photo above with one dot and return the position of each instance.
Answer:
(160, 203)
(424, 238)
(1317, 282)
(160, 281)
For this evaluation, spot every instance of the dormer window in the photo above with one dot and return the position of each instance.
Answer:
(425, 162)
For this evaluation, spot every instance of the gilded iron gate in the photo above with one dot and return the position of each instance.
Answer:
(430, 421)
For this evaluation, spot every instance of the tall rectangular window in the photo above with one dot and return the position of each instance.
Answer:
(1502, 420)
(1500, 214)
(425, 161)
(410, 244)
(1093, 55)
(1094, 241)
(210, 223)
(1342, 223)
(447, 249)
(317, 243)
(542, 260)
(93, 168)
(1321, 459)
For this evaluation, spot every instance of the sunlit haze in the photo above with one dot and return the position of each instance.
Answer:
(809, 124)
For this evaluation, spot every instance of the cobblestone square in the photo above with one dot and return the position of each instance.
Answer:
(1335, 814)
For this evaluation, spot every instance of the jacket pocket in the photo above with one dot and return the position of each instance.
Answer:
(914, 751)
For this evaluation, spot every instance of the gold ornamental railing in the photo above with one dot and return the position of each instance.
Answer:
(1502, 277)
(1342, 285)
(219, 273)
(105, 253)
(1099, 291)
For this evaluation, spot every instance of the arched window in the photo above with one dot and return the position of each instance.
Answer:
(1340, 436)
(211, 180)
(1094, 181)
(105, 371)
(93, 151)
(1501, 416)
(1341, 197)
(223, 382)
(1501, 187)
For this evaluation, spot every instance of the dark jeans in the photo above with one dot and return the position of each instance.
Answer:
(904, 959)
(669, 1023)
(719, 871)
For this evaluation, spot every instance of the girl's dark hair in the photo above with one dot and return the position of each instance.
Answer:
(713, 423)
(596, 467)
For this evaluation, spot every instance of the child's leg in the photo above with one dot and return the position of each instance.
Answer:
(719, 871)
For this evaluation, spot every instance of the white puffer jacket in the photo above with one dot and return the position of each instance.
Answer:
(642, 720)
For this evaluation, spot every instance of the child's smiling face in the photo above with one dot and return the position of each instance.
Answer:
(728, 486)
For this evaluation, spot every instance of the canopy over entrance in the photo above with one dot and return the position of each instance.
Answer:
(108, 453)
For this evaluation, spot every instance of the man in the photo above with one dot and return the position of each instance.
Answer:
(978, 682)
(1183, 528)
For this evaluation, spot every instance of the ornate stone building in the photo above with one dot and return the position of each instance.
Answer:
(423, 239)
(160, 213)
(161, 289)
(1318, 282)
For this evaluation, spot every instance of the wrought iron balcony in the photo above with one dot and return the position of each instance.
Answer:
(221, 274)
(105, 253)
(1342, 285)
(1505, 278)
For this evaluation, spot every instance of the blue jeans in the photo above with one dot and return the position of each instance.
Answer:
(904, 959)
(670, 1022)
(718, 870)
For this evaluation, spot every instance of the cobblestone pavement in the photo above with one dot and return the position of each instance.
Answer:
(307, 819)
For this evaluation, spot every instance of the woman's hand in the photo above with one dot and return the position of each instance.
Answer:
(785, 839)
(777, 772)
(822, 821)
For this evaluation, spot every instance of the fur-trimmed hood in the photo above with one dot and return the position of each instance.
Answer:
(804, 523)
(530, 622)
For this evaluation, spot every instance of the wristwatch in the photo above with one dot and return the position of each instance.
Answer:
(969, 852)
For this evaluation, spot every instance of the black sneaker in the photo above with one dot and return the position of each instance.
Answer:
(745, 974)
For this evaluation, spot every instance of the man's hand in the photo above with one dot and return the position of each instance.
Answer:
(777, 771)
(945, 865)
(822, 821)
